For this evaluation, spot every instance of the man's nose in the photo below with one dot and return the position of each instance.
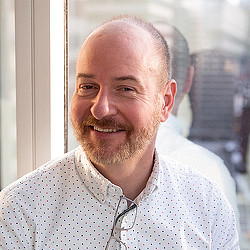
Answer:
(103, 105)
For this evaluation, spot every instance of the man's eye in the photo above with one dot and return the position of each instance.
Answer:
(128, 89)
(86, 87)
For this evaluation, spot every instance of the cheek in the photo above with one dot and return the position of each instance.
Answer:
(79, 110)
(139, 116)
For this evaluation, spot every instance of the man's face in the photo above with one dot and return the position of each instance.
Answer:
(115, 111)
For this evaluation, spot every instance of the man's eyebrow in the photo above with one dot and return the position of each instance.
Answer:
(118, 78)
(128, 77)
(84, 75)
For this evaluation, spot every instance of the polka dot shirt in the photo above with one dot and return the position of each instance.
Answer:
(68, 204)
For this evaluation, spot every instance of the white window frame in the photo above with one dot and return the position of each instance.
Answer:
(36, 86)
(32, 42)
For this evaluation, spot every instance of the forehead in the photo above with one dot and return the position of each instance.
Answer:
(125, 43)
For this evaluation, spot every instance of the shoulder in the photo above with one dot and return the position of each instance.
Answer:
(200, 159)
(46, 173)
(178, 147)
(183, 176)
(175, 167)
(192, 187)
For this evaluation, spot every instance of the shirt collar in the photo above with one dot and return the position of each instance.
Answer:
(102, 188)
(154, 181)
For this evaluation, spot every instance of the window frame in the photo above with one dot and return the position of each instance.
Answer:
(32, 45)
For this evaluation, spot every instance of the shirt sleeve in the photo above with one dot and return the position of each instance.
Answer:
(17, 230)
(224, 230)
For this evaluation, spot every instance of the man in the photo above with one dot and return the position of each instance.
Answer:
(170, 140)
(115, 192)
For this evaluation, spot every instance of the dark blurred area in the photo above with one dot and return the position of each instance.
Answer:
(220, 101)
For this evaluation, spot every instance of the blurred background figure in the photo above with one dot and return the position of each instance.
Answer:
(171, 140)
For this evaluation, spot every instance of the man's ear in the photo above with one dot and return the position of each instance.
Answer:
(168, 99)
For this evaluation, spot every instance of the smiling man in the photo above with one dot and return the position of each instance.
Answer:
(114, 191)
(119, 102)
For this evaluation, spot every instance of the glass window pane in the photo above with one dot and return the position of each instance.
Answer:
(216, 112)
(7, 93)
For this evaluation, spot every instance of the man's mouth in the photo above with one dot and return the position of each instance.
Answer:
(105, 130)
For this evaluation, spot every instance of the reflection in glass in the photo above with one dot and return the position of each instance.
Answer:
(218, 34)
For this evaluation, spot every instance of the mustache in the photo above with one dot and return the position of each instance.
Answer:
(106, 122)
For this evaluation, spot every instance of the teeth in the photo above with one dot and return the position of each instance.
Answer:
(105, 130)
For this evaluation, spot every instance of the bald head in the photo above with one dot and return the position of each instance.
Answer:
(130, 33)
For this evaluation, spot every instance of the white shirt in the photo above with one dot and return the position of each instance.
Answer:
(68, 204)
(170, 142)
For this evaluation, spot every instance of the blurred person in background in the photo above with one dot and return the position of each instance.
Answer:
(171, 140)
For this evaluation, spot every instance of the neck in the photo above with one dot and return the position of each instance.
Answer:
(132, 175)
